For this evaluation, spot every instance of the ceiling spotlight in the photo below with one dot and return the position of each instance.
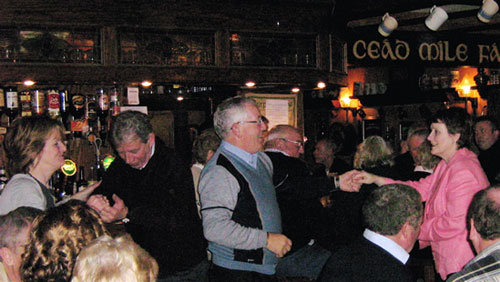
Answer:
(180, 98)
(146, 83)
(487, 11)
(250, 84)
(436, 18)
(388, 25)
(29, 82)
(321, 85)
(295, 90)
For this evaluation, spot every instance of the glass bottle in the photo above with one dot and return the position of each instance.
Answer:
(38, 102)
(11, 103)
(64, 107)
(81, 183)
(3, 178)
(54, 103)
(25, 99)
(2, 102)
(77, 106)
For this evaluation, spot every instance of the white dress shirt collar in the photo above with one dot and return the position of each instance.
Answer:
(388, 245)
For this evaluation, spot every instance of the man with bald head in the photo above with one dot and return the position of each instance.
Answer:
(483, 217)
(298, 194)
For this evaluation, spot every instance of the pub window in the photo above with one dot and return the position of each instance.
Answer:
(172, 48)
(272, 50)
(31, 45)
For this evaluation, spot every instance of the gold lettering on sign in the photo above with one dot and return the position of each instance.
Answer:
(440, 51)
(362, 44)
(402, 49)
(462, 52)
(488, 53)
(373, 50)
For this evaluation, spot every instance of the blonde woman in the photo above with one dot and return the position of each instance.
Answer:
(374, 155)
(114, 260)
(35, 148)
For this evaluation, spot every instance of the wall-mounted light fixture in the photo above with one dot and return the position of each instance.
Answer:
(29, 82)
(487, 11)
(388, 25)
(250, 84)
(146, 83)
(436, 18)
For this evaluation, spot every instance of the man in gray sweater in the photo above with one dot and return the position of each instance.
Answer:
(241, 217)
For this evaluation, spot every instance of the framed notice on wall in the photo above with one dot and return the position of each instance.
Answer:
(280, 108)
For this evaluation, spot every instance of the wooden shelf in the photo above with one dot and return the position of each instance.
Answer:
(393, 97)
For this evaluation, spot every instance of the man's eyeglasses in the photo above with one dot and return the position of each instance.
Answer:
(259, 121)
(298, 143)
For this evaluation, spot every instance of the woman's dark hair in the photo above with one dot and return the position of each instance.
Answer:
(457, 121)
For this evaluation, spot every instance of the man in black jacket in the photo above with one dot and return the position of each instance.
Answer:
(298, 194)
(153, 197)
(486, 135)
(393, 215)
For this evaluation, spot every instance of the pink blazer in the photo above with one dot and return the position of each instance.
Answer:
(448, 193)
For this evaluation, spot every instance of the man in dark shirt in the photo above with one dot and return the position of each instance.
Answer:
(486, 136)
(405, 163)
(393, 215)
(324, 153)
(298, 195)
(153, 197)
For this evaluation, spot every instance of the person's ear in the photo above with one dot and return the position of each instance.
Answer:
(496, 132)
(235, 129)
(151, 139)
(473, 231)
(210, 154)
(407, 230)
(7, 256)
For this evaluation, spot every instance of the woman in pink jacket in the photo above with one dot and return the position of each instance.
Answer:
(448, 191)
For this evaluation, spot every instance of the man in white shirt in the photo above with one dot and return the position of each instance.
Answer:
(393, 215)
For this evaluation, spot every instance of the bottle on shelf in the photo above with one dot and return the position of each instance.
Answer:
(38, 105)
(114, 101)
(11, 103)
(102, 112)
(81, 182)
(2, 102)
(25, 100)
(91, 108)
(3, 178)
(64, 107)
(54, 103)
(70, 185)
(58, 185)
(77, 106)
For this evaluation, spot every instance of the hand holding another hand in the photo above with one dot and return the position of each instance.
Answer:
(114, 213)
(108, 213)
(348, 181)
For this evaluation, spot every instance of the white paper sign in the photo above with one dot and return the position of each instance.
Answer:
(133, 95)
(277, 112)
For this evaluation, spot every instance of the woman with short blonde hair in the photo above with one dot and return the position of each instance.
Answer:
(114, 260)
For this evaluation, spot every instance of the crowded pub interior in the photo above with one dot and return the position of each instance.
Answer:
(228, 140)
